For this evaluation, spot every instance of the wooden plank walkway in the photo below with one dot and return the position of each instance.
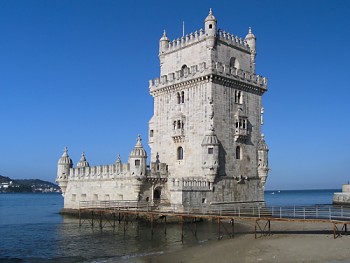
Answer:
(124, 211)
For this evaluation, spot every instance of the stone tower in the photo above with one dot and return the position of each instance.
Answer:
(207, 117)
(65, 163)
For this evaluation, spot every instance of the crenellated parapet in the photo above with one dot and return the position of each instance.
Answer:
(233, 40)
(158, 170)
(202, 70)
(199, 36)
(111, 171)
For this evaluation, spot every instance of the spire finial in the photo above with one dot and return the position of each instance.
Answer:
(210, 11)
(250, 30)
(139, 144)
(65, 151)
(164, 33)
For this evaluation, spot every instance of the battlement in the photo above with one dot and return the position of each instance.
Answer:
(110, 171)
(114, 171)
(203, 69)
(198, 36)
(232, 40)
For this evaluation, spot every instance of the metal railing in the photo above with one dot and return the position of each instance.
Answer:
(322, 212)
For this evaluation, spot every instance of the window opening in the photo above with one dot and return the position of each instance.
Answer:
(210, 150)
(178, 98)
(180, 153)
(232, 62)
(238, 97)
(238, 153)
(137, 163)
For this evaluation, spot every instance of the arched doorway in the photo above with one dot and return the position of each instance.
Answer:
(156, 195)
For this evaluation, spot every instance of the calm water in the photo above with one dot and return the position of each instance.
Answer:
(32, 230)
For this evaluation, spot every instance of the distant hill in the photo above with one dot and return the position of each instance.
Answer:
(8, 185)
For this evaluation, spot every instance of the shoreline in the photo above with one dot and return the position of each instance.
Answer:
(288, 242)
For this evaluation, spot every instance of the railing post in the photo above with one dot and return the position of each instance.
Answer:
(304, 212)
(259, 211)
(280, 212)
(239, 212)
(272, 210)
(330, 214)
(316, 211)
(294, 212)
(341, 211)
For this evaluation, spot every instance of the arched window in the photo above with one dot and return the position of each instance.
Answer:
(180, 153)
(238, 97)
(183, 71)
(179, 124)
(238, 153)
(182, 97)
(178, 98)
(232, 62)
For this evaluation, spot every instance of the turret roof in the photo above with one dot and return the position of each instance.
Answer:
(65, 158)
(83, 162)
(210, 17)
(138, 151)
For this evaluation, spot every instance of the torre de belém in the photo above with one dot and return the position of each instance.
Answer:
(205, 134)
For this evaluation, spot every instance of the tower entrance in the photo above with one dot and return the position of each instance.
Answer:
(156, 194)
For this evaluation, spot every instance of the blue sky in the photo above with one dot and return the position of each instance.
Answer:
(75, 73)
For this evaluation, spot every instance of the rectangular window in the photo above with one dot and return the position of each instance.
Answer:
(137, 163)
(210, 150)
(151, 133)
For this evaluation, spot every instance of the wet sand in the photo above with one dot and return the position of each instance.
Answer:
(289, 242)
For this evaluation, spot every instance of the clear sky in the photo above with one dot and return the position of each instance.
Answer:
(75, 73)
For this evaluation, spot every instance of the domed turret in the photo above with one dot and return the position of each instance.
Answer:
(65, 160)
(63, 167)
(263, 166)
(137, 159)
(210, 155)
(251, 41)
(210, 29)
(82, 162)
(163, 43)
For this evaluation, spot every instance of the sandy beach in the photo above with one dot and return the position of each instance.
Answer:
(289, 242)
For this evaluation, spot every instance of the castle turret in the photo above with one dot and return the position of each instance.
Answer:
(163, 43)
(210, 29)
(263, 166)
(163, 46)
(251, 41)
(82, 162)
(210, 155)
(63, 167)
(137, 159)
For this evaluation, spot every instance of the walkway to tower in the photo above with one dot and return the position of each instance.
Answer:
(122, 212)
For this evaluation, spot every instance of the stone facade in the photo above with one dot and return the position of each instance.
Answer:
(205, 133)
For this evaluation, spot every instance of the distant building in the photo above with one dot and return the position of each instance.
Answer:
(205, 133)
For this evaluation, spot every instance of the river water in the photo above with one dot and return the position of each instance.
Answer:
(32, 230)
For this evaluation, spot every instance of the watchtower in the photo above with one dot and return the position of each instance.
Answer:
(207, 119)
